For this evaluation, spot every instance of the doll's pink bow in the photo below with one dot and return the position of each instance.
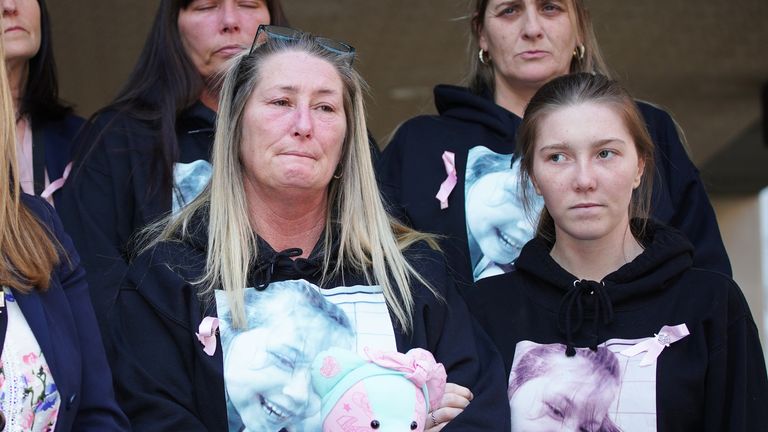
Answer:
(418, 366)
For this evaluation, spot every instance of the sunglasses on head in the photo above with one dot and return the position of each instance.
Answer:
(266, 31)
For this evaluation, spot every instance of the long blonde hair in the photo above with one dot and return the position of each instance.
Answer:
(28, 254)
(369, 240)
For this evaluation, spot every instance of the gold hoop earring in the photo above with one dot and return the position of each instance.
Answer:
(579, 51)
(481, 56)
(340, 173)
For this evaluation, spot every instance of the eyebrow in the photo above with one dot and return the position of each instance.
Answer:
(564, 145)
(294, 89)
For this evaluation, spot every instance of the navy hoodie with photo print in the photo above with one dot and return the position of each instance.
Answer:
(713, 379)
(411, 170)
(165, 381)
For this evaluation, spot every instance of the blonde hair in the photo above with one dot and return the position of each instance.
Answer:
(370, 241)
(481, 76)
(28, 253)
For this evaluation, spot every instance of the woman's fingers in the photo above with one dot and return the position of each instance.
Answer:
(456, 396)
(454, 400)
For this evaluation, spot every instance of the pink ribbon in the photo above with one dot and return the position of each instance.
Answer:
(449, 160)
(419, 366)
(654, 346)
(56, 184)
(207, 334)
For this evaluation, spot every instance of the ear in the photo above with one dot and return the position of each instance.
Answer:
(477, 24)
(535, 185)
(639, 176)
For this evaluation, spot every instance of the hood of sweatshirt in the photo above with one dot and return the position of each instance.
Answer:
(462, 104)
(667, 254)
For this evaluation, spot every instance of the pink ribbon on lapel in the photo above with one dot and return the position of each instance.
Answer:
(56, 184)
(419, 367)
(449, 160)
(207, 334)
(654, 346)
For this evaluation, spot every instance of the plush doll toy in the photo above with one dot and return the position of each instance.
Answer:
(389, 392)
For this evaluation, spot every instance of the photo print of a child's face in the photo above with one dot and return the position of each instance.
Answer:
(267, 366)
(549, 391)
(497, 223)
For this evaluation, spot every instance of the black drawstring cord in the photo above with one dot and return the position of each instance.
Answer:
(569, 324)
(283, 262)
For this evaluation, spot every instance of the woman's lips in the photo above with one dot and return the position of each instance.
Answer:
(533, 54)
(14, 28)
(229, 50)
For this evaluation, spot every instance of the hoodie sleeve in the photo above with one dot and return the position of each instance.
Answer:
(737, 386)
(680, 199)
(469, 357)
(98, 207)
(159, 377)
(389, 173)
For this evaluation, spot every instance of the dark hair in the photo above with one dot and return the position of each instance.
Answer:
(481, 76)
(482, 161)
(40, 100)
(164, 82)
(575, 89)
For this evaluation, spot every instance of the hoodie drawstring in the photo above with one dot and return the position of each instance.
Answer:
(572, 302)
(283, 262)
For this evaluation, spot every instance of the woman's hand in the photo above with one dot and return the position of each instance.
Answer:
(455, 399)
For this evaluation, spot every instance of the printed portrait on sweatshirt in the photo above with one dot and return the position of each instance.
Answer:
(592, 391)
(267, 363)
(497, 223)
(189, 179)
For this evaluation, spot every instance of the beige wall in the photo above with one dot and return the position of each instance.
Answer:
(740, 225)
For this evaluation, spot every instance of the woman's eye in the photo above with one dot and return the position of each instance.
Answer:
(557, 157)
(202, 5)
(551, 7)
(280, 102)
(510, 10)
(327, 108)
(605, 154)
(251, 4)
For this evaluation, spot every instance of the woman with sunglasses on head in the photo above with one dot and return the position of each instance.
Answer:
(148, 152)
(53, 371)
(519, 45)
(45, 127)
(605, 294)
(292, 200)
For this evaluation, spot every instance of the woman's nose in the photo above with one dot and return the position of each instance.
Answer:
(230, 18)
(9, 7)
(302, 124)
(531, 24)
(585, 179)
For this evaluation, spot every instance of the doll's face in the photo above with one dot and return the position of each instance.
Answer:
(370, 400)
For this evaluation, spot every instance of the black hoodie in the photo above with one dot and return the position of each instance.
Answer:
(112, 191)
(714, 379)
(411, 170)
(165, 381)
